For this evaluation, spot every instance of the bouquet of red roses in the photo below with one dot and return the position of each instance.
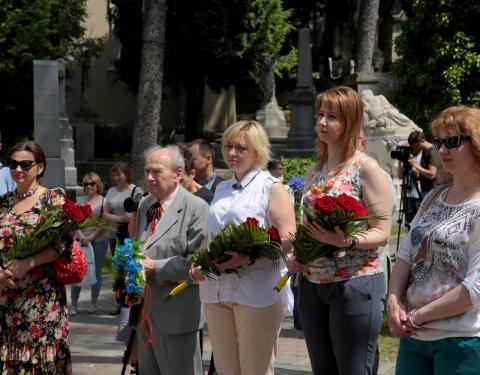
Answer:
(56, 224)
(328, 211)
(247, 238)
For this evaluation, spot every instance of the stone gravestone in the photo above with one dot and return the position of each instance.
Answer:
(269, 115)
(46, 110)
(67, 148)
(301, 138)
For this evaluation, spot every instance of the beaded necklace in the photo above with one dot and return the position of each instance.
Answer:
(22, 196)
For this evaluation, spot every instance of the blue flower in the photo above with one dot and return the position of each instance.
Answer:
(296, 183)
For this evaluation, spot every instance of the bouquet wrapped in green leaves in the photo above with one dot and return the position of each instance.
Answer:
(56, 224)
(328, 211)
(247, 238)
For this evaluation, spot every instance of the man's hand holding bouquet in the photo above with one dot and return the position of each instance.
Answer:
(232, 249)
(332, 224)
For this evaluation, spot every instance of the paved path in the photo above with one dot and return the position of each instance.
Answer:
(95, 351)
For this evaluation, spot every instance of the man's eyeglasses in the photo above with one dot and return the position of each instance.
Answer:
(89, 184)
(25, 165)
(450, 142)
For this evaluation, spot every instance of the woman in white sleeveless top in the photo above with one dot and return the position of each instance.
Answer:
(244, 314)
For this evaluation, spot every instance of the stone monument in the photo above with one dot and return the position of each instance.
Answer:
(67, 147)
(386, 128)
(301, 138)
(269, 115)
(46, 110)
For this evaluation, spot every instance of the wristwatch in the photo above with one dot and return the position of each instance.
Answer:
(354, 242)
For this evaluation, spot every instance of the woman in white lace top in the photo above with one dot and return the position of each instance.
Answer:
(438, 264)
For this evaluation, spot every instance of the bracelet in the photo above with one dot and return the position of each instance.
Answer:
(410, 319)
(354, 242)
(390, 301)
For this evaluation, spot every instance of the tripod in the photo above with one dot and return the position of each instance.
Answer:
(405, 202)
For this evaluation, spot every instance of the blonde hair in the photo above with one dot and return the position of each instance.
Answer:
(255, 135)
(347, 104)
(95, 178)
(460, 120)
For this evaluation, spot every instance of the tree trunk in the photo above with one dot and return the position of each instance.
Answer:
(149, 100)
(367, 27)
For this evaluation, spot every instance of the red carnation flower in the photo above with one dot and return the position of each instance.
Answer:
(351, 204)
(72, 210)
(251, 221)
(87, 210)
(325, 204)
(274, 235)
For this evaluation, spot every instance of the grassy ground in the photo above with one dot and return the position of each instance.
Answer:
(388, 345)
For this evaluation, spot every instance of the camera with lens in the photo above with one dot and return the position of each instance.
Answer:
(130, 204)
(402, 153)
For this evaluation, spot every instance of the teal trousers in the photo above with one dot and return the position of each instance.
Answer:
(451, 356)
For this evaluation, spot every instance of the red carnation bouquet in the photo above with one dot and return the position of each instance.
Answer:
(57, 223)
(328, 211)
(248, 238)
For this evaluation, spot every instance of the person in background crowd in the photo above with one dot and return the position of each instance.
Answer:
(341, 298)
(171, 221)
(188, 179)
(203, 156)
(434, 296)
(93, 189)
(275, 167)
(121, 177)
(426, 170)
(6, 181)
(244, 314)
(33, 308)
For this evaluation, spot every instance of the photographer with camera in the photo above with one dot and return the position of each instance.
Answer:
(426, 170)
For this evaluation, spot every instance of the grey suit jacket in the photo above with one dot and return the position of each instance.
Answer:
(179, 233)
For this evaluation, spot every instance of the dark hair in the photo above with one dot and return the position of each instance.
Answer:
(187, 155)
(415, 137)
(123, 167)
(274, 164)
(204, 147)
(34, 148)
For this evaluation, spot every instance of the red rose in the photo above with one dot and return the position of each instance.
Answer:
(351, 204)
(274, 235)
(325, 204)
(87, 210)
(30, 294)
(251, 221)
(72, 210)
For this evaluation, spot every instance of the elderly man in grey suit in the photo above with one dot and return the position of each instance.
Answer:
(171, 221)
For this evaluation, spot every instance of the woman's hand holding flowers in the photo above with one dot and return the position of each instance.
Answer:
(85, 240)
(293, 265)
(195, 273)
(6, 279)
(336, 238)
(148, 266)
(19, 267)
(237, 259)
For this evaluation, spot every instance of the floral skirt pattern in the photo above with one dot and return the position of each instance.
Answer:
(34, 326)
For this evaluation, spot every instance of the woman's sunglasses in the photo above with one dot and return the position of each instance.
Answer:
(450, 142)
(25, 165)
(89, 184)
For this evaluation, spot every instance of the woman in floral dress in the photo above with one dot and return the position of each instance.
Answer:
(340, 298)
(33, 308)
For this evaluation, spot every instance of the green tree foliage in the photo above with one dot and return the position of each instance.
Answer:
(32, 29)
(440, 64)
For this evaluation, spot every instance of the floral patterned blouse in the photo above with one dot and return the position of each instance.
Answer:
(345, 264)
(33, 315)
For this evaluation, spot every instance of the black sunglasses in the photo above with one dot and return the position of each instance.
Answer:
(25, 165)
(89, 184)
(450, 142)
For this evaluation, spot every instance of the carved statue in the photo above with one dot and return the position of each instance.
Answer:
(267, 78)
(381, 115)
